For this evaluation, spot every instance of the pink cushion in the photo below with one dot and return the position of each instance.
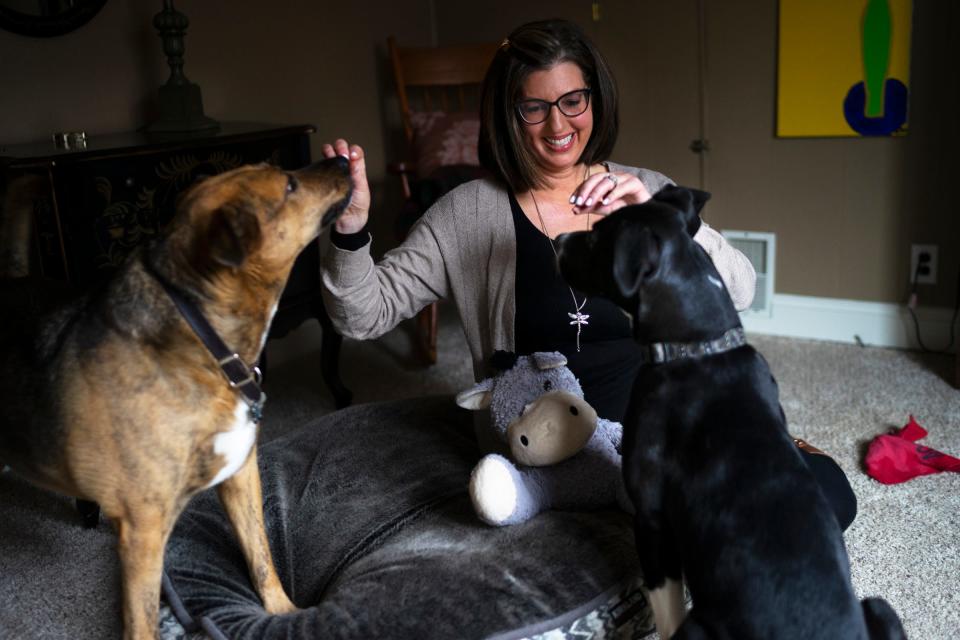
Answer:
(442, 139)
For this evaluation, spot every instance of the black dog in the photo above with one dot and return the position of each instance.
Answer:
(722, 494)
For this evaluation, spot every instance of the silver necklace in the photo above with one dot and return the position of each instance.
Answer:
(578, 317)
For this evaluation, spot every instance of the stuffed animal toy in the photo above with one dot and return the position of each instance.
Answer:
(562, 456)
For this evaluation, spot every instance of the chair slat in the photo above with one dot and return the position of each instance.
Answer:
(453, 65)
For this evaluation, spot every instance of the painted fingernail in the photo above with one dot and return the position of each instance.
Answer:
(579, 200)
(573, 199)
(589, 202)
(605, 201)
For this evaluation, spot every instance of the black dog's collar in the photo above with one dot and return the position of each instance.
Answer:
(239, 375)
(660, 352)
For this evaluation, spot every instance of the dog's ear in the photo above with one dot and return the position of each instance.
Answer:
(687, 201)
(234, 233)
(691, 214)
(682, 197)
(700, 198)
(636, 255)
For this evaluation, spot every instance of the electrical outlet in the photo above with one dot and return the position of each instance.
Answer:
(928, 268)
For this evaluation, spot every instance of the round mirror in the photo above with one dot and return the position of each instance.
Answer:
(46, 18)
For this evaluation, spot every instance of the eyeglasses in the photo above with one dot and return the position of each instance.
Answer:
(569, 104)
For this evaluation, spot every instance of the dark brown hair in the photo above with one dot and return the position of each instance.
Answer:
(536, 46)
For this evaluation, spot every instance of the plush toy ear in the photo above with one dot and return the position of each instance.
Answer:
(478, 397)
(636, 255)
(232, 235)
(549, 360)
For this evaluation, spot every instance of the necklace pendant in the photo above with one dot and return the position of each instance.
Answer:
(579, 318)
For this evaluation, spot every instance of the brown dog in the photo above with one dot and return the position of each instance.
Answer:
(112, 397)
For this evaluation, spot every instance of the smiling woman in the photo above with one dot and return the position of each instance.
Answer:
(548, 123)
(45, 19)
(556, 139)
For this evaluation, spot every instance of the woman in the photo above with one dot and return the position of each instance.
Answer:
(549, 122)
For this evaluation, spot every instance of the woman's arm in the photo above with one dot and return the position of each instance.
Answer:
(365, 299)
(735, 269)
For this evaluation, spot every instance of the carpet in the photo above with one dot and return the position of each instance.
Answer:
(60, 581)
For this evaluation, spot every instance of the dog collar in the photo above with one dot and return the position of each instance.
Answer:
(660, 352)
(240, 376)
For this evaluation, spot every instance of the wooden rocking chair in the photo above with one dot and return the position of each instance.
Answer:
(438, 93)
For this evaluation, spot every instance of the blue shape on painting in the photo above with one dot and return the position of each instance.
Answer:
(894, 109)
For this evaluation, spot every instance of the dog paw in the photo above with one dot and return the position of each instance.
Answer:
(493, 490)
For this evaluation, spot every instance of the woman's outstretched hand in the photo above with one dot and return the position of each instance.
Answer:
(354, 217)
(604, 193)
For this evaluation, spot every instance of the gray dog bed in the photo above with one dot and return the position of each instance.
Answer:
(373, 536)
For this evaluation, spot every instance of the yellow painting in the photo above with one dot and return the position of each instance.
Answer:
(843, 68)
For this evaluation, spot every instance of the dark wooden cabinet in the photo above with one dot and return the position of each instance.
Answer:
(120, 190)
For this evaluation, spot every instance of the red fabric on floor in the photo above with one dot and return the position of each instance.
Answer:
(895, 457)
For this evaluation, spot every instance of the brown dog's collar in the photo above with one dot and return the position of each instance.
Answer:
(240, 376)
(660, 352)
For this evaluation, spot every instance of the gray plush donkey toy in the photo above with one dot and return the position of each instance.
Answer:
(563, 455)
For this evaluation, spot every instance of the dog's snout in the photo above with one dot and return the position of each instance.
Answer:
(331, 174)
(337, 163)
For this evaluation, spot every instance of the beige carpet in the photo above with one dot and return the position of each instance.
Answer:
(904, 544)
(61, 582)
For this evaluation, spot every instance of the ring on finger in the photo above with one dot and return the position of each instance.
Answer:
(612, 178)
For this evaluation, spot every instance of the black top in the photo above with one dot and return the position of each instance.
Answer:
(609, 358)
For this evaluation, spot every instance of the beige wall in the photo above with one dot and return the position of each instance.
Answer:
(95, 79)
(296, 61)
(844, 210)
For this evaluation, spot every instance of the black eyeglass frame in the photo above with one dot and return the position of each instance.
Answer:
(555, 103)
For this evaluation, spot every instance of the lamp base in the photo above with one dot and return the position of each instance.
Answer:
(181, 111)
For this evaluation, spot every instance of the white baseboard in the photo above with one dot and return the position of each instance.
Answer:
(874, 323)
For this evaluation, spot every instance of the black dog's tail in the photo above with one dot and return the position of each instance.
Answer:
(882, 621)
(16, 216)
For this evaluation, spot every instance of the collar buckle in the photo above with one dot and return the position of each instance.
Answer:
(240, 376)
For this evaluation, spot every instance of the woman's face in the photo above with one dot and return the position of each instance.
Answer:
(558, 141)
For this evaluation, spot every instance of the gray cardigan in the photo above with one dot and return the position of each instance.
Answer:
(464, 249)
